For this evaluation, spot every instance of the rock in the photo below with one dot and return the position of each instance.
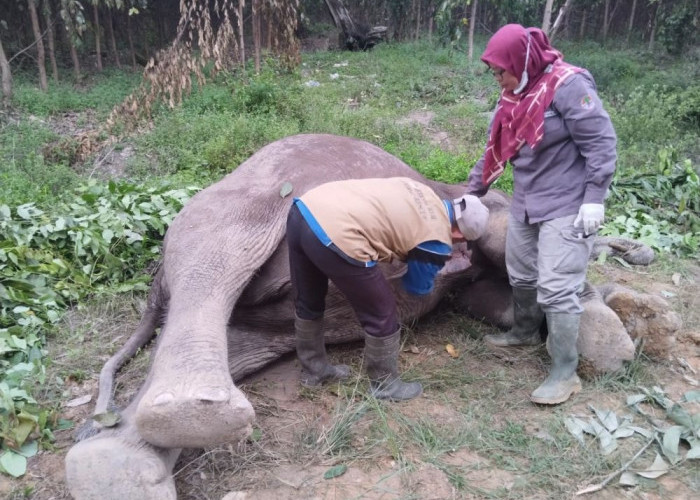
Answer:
(647, 318)
(603, 342)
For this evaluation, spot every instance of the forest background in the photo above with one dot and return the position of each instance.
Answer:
(115, 112)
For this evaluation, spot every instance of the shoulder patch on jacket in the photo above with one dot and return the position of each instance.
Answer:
(587, 102)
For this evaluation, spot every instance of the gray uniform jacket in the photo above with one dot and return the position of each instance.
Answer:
(574, 162)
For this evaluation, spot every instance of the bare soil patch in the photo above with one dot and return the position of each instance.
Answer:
(473, 433)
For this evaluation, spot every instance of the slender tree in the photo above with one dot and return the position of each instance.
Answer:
(74, 23)
(5, 69)
(241, 43)
(96, 28)
(559, 22)
(40, 53)
(51, 37)
(631, 23)
(255, 20)
(130, 36)
(654, 22)
(472, 24)
(547, 18)
(112, 40)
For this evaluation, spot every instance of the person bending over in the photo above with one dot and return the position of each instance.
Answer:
(340, 231)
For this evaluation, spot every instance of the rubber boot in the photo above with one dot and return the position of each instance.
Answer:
(382, 365)
(562, 380)
(311, 351)
(527, 318)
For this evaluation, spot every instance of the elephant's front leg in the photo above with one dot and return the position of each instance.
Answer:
(192, 401)
(117, 464)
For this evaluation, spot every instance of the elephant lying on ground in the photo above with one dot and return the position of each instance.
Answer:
(222, 298)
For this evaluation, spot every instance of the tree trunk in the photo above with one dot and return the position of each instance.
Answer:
(40, 53)
(255, 7)
(582, 29)
(431, 20)
(653, 26)
(606, 13)
(241, 4)
(418, 21)
(268, 41)
(98, 45)
(631, 23)
(73, 51)
(547, 18)
(48, 18)
(560, 19)
(6, 76)
(472, 23)
(356, 36)
(112, 40)
(130, 38)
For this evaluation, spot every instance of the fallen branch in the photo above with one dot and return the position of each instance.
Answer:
(604, 483)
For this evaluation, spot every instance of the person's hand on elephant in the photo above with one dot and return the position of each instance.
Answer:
(590, 217)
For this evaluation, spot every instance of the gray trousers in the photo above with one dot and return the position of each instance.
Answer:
(551, 256)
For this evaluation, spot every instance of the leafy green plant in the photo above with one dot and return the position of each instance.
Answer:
(99, 240)
(660, 207)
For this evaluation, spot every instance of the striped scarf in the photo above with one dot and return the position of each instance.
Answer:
(519, 119)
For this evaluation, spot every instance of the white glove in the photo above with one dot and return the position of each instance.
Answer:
(590, 217)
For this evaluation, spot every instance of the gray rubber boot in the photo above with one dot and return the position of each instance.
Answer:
(562, 380)
(311, 351)
(527, 318)
(382, 365)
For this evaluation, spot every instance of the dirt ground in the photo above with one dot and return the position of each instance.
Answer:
(284, 458)
(448, 455)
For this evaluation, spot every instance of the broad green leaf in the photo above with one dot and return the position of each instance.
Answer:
(256, 435)
(107, 419)
(29, 449)
(623, 432)
(107, 235)
(336, 471)
(671, 439)
(608, 444)
(681, 416)
(286, 189)
(575, 427)
(13, 463)
(628, 479)
(657, 469)
(641, 430)
(64, 424)
(607, 417)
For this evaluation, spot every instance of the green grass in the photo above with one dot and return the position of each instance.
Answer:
(653, 101)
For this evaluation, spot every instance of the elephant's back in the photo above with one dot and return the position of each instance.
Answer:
(242, 217)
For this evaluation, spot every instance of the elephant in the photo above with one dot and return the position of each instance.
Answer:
(222, 299)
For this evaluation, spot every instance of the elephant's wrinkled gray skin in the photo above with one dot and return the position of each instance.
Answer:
(225, 295)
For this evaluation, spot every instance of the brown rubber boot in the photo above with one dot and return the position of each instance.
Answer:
(562, 381)
(311, 351)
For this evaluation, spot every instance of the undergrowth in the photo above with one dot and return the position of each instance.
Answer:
(62, 239)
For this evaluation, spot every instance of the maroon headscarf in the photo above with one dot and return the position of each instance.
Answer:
(519, 118)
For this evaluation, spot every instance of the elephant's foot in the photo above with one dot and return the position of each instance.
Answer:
(194, 410)
(112, 468)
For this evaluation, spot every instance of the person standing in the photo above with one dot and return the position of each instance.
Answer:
(340, 231)
(551, 126)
